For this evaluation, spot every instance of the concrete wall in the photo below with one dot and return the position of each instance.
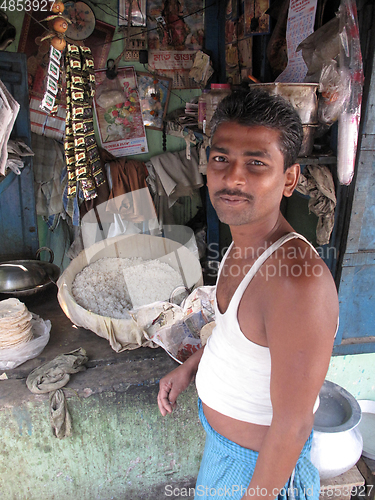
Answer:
(355, 373)
(121, 447)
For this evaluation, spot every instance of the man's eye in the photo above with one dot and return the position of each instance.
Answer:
(219, 158)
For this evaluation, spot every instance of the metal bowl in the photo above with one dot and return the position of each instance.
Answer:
(26, 277)
(304, 99)
(302, 96)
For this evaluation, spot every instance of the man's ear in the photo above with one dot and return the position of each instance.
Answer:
(292, 174)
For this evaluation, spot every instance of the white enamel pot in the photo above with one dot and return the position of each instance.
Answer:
(337, 443)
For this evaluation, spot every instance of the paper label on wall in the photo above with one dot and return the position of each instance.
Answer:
(301, 19)
(175, 64)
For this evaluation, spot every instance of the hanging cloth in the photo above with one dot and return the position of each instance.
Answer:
(316, 181)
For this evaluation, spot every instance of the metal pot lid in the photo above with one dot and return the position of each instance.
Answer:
(338, 410)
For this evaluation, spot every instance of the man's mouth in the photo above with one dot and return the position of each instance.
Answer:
(233, 199)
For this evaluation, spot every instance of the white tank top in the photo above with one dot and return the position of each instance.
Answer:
(234, 373)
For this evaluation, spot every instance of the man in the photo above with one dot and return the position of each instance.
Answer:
(259, 376)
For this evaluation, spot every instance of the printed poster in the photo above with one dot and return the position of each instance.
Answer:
(300, 24)
(120, 124)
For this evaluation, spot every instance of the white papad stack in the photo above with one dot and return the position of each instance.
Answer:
(15, 324)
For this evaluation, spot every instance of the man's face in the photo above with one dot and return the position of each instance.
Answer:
(245, 174)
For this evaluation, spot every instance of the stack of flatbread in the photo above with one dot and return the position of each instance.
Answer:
(15, 324)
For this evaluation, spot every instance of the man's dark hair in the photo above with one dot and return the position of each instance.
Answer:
(257, 107)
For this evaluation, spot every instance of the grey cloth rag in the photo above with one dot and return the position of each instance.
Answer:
(51, 377)
(316, 181)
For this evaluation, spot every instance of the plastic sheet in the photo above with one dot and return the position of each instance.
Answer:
(13, 357)
(110, 93)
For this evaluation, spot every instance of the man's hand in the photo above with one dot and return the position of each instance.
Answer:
(171, 386)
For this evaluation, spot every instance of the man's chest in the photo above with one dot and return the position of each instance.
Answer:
(233, 273)
(249, 303)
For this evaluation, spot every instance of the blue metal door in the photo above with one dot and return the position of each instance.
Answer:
(18, 221)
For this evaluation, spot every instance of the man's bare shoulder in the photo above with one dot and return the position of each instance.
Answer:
(303, 291)
(298, 263)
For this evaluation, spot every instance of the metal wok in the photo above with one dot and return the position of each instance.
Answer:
(21, 278)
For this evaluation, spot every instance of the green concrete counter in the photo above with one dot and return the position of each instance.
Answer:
(121, 447)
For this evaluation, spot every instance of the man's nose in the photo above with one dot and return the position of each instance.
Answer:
(235, 174)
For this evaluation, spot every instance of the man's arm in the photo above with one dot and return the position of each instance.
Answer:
(300, 320)
(176, 382)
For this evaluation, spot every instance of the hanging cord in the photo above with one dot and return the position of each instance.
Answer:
(164, 136)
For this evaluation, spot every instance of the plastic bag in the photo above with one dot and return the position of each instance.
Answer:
(321, 51)
(335, 89)
(110, 93)
(350, 60)
(333, 57)
(13, 357)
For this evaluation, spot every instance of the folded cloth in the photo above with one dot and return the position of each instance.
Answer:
(227, 468)
(178, 175)
(9, 109)
(56, 373)
(160, 198)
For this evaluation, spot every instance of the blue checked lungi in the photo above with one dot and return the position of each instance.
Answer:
(227, 468)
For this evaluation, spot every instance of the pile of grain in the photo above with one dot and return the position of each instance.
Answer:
(15, 324)
(112, 286)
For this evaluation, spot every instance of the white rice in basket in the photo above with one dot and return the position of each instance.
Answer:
(112, 286)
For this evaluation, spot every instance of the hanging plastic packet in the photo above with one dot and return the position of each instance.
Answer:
(52, 85)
